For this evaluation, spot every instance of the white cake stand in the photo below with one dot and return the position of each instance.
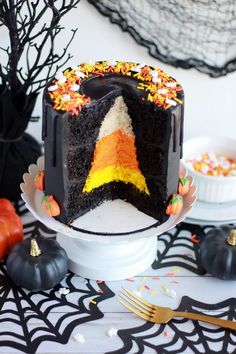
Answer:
(111, 242)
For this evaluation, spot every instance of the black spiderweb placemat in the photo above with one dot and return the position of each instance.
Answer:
(58, 315)
(179, 250)
(188, 337)
(185, 34)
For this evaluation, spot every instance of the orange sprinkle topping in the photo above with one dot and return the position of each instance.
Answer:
(160, 87)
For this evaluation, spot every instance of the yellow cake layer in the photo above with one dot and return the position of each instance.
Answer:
(114, 173)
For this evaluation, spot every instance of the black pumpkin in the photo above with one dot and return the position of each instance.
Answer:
(37, 263)
(218, 252)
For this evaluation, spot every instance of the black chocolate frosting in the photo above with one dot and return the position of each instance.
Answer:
(70, 142)
(97, 87)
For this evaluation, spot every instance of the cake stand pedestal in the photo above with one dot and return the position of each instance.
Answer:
(109, 261)
(111, 242)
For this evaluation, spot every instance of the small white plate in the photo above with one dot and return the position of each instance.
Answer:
(208, 222)
(213, 212)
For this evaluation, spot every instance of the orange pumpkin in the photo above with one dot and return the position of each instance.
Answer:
(50, 206)
(183, 186)
(5, 204)
(175, 205)
(11, 228)
(39, 181)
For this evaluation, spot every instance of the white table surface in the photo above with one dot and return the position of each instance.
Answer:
(94, 319)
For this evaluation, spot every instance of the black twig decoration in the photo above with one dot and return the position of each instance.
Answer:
(29, 60)
(31, 36)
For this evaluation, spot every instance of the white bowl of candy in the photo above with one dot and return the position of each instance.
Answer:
(211, 161)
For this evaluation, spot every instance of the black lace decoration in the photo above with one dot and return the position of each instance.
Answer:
(199, 34)
(196, 338)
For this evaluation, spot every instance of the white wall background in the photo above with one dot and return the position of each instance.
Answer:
(209, 103)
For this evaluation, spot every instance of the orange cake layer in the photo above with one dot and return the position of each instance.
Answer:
(116, 149)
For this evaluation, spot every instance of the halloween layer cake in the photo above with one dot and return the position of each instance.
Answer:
(112, 130)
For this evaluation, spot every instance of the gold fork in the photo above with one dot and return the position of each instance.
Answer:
(157, 314)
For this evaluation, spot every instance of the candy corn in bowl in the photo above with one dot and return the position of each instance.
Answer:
(211, 161)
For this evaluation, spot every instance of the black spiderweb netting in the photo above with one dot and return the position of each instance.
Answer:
(187, 33)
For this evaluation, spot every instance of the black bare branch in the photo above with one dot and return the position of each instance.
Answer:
(22, 19)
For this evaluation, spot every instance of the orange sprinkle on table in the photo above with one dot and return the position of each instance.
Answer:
(194, 239)
(169, 274)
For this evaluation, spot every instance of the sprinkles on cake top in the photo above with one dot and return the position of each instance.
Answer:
(161, 88)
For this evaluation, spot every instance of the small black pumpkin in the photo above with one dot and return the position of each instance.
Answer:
(218, 252)
(37, 263)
